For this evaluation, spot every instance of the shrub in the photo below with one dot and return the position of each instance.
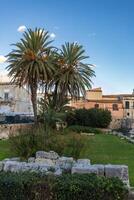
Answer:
(27, 142)
(89, 187)
(20, 186)
(84, 129)
(98, 118)
(33, 186)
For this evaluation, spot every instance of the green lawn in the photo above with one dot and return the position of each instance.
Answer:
(4, 149)
(110, 149)
(99, 149)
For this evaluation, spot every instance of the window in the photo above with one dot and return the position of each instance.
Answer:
(128, 114)
(6, 96)
(96, 105)
(115, 106)
(127, 105)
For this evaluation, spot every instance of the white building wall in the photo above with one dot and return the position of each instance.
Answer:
(18, 101)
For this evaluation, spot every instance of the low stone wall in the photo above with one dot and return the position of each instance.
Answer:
(123, 137)
(51, 163)
(7, 129)
(115, 123)
(121, 123)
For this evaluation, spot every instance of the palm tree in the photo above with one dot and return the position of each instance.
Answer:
(51, 112)
(29, 62)
(73, 75)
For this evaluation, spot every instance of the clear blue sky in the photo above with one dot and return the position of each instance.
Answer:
(104, 27)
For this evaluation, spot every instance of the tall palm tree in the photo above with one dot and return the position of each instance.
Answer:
(73, 75)
(29, 62)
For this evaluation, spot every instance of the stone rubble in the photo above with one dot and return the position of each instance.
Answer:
(51, 163)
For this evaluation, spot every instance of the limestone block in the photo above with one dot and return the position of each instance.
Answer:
(49, 155)
(83, 162)
(4, 135)
(15, 159)
(31, 160)
(120, 171)
(65, 163)
(29, 167)
(45, 161)
(37, 167)
(100, 169)
(12, 166)
(84, 170)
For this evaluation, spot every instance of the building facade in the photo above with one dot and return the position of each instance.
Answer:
(121, 106)
(14, 100)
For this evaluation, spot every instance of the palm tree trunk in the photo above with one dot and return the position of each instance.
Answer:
(34, 100)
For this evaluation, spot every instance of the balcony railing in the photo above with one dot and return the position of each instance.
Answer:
(7, 100)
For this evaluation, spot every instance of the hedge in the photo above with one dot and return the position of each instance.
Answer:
(94, 117)
(33, 186)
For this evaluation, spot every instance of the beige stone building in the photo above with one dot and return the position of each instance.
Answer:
(14, 100)
(121, 106)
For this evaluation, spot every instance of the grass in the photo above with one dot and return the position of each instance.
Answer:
(109, 149)
(4, 149)
(99, 149)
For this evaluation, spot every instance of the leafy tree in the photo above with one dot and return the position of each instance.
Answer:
(29, 62)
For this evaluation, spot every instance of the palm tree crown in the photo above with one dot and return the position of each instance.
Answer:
(29, 63)
(73, 76)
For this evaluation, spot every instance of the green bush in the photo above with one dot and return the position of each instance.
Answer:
(98, 118)
(84, 129)
(33, 186)
(24, 186)
(27, 142)
(89, 187)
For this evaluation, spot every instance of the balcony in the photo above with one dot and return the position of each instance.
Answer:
(6, 101)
